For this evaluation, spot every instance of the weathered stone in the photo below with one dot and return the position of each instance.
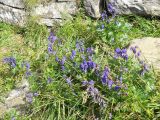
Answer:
(12, 15)
(55, 10)
(92, 8)
(150, 49)
(3, 109)
(15, 99)
(140, 7)
(13, 3)
(49, 22)
(16, 96)
(47, 14)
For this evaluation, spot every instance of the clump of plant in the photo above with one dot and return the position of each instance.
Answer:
(34, 34)
(111, 30)
(74, 79)
(70, 81)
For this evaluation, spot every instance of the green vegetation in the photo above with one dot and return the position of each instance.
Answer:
(32, 3)
(143, 27)
(56, 69)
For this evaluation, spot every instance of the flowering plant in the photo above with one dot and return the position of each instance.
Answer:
(78, 74)
(113, 32)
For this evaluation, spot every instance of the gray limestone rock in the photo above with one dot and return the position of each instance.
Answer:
(13, 3)
(12, 15)
(140, 7)
(15, 98)
(15, 13)
(92, 8)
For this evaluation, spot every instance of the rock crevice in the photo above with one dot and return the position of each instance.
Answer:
(1, 3)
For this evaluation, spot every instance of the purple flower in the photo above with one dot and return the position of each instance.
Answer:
(102, 26)
(124, 51)
(27, 66)
(118, 50)
(121, 53)
(28, 73)
(110, 83)
(133, 49)
(84, 66)
(84, 83)
(94, 93)
(104, 15)
(57, 59)
(62, 68)
(105, 74)
(90, 50)
(80, 46)
(138, 53)
(35, 94)
(49, 80)
(62, 61)
(110, 8)
(52, 38)
(144, 69)
(11, 61)
(68, 80)
(91, 64)
(104, 80)
(91, 82)
(73, 54)
(50, 49)
(117, 88)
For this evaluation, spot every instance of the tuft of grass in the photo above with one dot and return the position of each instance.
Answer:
(34, 34)
(80, 27)
(142, 27)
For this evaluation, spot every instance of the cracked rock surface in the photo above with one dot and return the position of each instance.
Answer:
(14, 11)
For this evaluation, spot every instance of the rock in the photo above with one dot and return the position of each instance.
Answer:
(15, 98)
(47, 13)
(55, 11)
(150, 49)
(140, 7)
(49, 22)
(13, 3)
(12, 15)
(92, 8)
(3, 109)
